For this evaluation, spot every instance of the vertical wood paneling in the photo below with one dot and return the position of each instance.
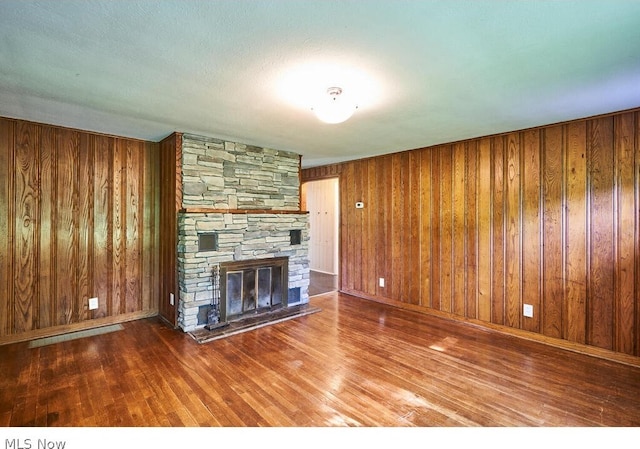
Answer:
(575, 260)
(117, 303)
(548, 217)
(414, 264)
(458, 243)
(471, 226)
(7, 228)
(399, 230)
(357, 243)
(150, 222)
(426, 238)
(436, 230)
(625, 227)
(102, 232)
(347, 232)
(383, 202)
(372, 210)
(67, 226)
(365, 222)
(601, 239)
(85, 225)
(636, 188)
(484, 229)
(133, 221)
(498, 222)
(553, 292)
(26, 224)
(531, 229)
(320, 172)
(170, 201)
(513, 253)
(377, 230)
(64, 191)
(47, 267)
(446, 228)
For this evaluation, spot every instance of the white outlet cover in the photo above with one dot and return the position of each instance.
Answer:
(171, 299)
(527, 310)
(381, 282)
(93, 303)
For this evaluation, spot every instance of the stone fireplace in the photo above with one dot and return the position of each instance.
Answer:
(240, 222)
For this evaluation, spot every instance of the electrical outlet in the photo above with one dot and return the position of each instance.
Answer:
(381, 282)
(93, 303)
(527, 310)
(171, 298)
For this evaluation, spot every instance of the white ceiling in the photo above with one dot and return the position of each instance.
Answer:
(428, 72)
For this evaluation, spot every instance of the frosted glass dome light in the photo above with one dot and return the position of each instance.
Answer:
(334, 108)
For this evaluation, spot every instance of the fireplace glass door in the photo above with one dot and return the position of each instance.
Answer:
(252, 287)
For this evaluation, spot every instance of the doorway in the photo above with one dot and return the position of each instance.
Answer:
(321, 199)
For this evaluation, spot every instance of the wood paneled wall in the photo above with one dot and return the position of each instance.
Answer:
(476, 229)
(170, 204)
(79, 220)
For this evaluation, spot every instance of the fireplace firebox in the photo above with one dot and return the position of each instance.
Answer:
(251, 287)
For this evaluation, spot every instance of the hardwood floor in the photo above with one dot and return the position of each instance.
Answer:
(320, 283)
(355, 363)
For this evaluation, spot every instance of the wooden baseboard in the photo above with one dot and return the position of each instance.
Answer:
(67, 328)
(528, 335)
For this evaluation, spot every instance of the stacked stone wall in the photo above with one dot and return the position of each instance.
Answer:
(229, 175)
(240, 178)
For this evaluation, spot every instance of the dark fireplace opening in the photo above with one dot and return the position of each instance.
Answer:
(252, 287)
(295, 236)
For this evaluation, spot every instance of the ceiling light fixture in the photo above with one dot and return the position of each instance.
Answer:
(335, 107)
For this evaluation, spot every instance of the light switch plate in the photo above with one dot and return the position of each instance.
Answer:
(527, 310)
(93, 303)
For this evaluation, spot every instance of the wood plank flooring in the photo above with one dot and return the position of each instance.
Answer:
(355, 363)
(320, 283)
